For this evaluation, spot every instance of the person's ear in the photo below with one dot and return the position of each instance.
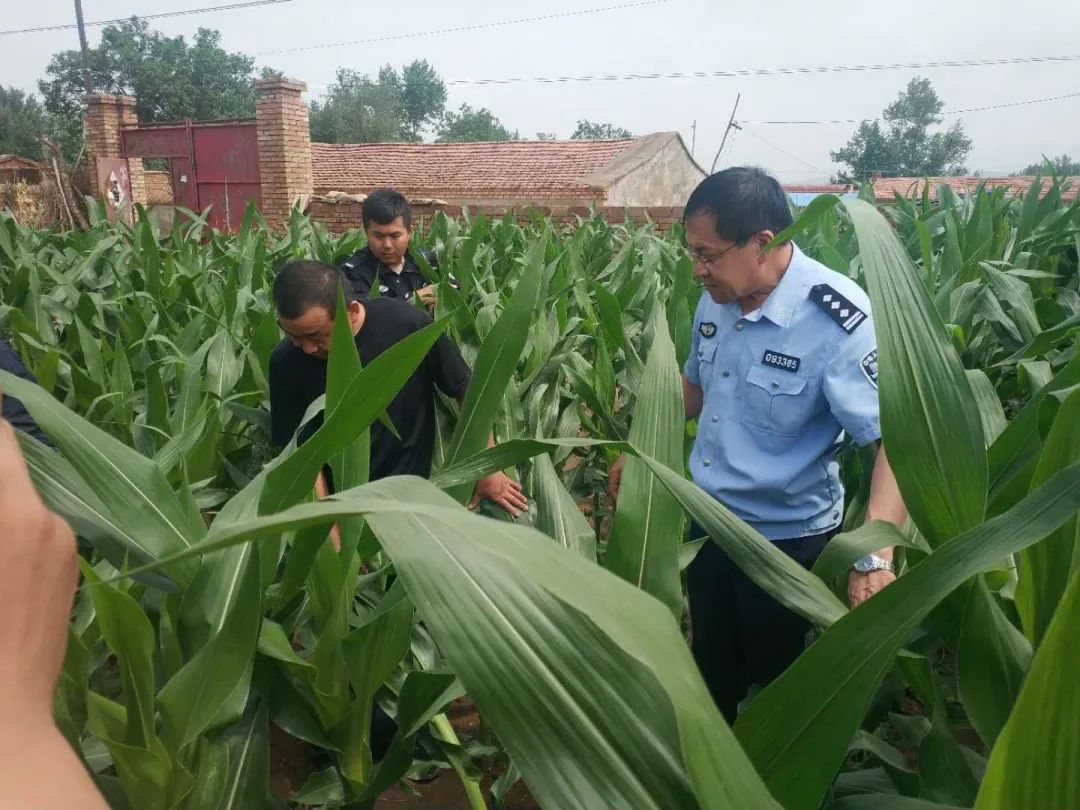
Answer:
(762, 238)
(355, 311)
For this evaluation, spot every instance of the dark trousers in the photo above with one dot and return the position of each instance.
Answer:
(741, 635)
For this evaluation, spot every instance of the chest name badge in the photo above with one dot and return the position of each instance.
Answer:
(868, 364)
(383, 288)
(837, 307)
(784, 362)
(707, 329)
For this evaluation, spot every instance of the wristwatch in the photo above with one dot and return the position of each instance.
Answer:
(872, 562)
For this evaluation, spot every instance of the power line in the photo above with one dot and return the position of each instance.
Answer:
(462, 28)
(947, 112)
(780, 71)
(753, 134)
(158, 16)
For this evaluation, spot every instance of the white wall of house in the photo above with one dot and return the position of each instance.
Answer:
(666, 178)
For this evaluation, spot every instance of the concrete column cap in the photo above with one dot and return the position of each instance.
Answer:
(280, 83)
(109, 98)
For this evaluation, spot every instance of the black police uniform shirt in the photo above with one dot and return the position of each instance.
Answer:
(298, 379)
(366, 273)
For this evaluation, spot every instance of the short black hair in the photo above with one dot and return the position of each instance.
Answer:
(302, 284)
(384, 205)
(742, 201)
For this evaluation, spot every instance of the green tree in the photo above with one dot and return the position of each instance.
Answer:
(395, 106)
(468, 124)
(170, 77)
(422, 97)
(356, 109)
(1064, 166)
(901, 144)
(591, 131)
(23, 123)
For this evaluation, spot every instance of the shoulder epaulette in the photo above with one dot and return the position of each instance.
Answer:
(837, 307)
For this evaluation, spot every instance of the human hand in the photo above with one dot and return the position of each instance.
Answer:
(427, 295)
(39, 558)
(862, 586)
(615, 477)
(501, 489)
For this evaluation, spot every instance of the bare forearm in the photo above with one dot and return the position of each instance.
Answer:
(322, 489)
(693, 398)
(491, 436)
(885, 501)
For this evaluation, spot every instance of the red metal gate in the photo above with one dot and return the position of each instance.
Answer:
(213, 164)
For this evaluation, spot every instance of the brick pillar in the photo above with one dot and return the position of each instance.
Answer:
(284, 147)
(105, 114)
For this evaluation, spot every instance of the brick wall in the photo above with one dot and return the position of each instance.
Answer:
(284, 146)
(105, 114)
(158, 188)
(341, 215)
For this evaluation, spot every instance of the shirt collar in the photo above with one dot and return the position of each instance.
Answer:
(782, 301)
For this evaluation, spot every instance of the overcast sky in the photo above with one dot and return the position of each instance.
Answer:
(665, 36)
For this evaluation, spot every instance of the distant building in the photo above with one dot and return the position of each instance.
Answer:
(15, 169)
(802, 195)
(887, 188)
(651, 170)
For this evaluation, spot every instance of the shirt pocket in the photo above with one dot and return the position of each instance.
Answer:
(706, 358)
(775, 401)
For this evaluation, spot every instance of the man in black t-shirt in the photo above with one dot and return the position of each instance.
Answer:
(384, 267)
(305, 294)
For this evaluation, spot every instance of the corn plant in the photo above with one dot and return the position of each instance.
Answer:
(214, 606)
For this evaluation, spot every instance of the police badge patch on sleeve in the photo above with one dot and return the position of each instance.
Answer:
(707, 329)
(868, 364)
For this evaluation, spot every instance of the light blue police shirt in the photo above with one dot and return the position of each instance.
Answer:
(780, 386)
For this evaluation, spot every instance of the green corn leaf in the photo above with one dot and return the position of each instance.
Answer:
(371, 654)
(992, 657)
(557, 515)
(490, 582)
(247, 752)
(576, 661)
(1033, 764)
(927, 410)
(772, 570)
(366, 396)
(192, 699)
(351, 467)
(130, 636)
(1048, 566)
(647, 528)
(495, 365)
(944, 774)
(796, 744)
(130, 486)
(423, 695)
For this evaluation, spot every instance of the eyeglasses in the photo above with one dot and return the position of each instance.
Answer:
(706, 259)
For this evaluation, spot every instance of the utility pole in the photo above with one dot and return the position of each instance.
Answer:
(693, 138)
(730, 125)
(82, 43)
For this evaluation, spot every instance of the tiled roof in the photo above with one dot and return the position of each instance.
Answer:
(886, 188)
(17, 162)
(498, 167)
(821, 188)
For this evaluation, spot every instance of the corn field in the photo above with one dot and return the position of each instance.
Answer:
(214, 609)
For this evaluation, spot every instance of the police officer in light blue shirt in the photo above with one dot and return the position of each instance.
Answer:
(783, 364)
